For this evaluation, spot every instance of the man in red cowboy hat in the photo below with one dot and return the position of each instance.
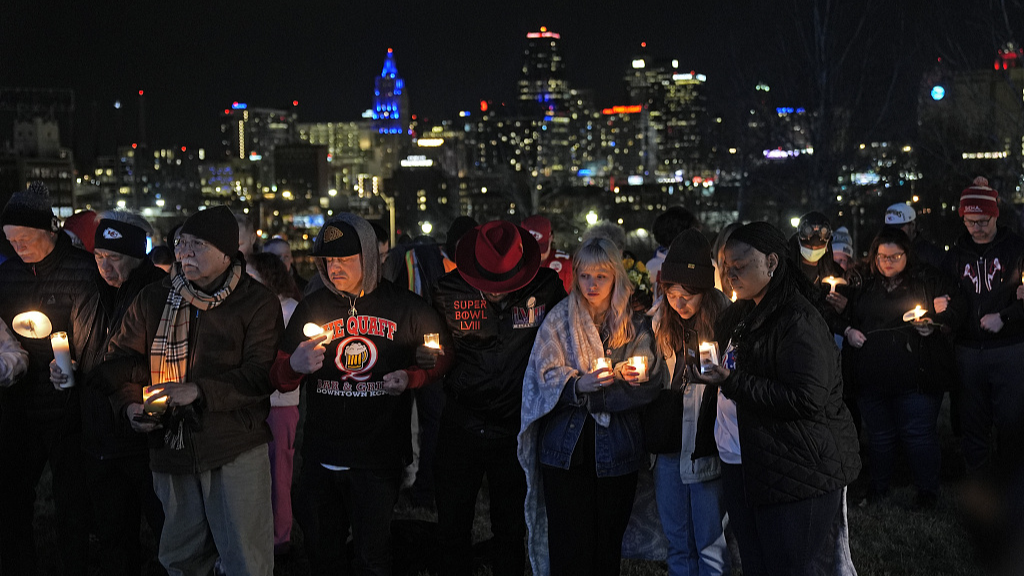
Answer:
(493, 305)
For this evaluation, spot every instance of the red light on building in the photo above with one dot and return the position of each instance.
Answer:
(226, 111)
(413, 116)
(182, 148)
(295, 102)
(483, 105)
(134, 145)
(390, 51)
(623, 110)
(140, 92)
(643, 44)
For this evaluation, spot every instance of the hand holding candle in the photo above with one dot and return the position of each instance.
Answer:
(154, 400)
(708, 355)
(833, 281)
(915, 314)
(639, 364)
(31, 324)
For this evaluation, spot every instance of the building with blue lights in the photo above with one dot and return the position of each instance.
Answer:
(390, 116)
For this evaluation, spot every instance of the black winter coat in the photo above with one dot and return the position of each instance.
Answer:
(60, 285)
(796, 434)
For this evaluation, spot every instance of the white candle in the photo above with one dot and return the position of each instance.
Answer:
(639, 363)
(832, 281)
(708, 355)
(311, 330)
(602, 363)
(432, 341)
(62, 354)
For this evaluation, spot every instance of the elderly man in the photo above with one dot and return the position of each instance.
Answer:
(39, 423)
(117, 458)
(205, 338)
(357, 435)
(493, 304)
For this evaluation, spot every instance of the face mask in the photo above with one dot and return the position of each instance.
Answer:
(812, 254)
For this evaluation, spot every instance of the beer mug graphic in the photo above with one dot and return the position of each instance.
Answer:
(356, 355)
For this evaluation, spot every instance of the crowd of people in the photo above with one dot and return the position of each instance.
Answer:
(738, 375)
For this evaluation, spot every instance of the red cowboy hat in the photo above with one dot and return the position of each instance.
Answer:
(497, 257)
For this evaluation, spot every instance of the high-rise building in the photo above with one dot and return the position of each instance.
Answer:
(249, 133)
(390, 115)
(542, 86)
(350, 153)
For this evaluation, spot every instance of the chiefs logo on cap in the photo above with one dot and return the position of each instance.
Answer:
(111, 234)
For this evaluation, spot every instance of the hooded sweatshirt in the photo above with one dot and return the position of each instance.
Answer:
(351, 421)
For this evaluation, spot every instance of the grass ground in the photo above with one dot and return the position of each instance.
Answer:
(887, 539)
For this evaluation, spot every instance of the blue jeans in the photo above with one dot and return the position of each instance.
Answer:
(911, 419)
(992, 395)
(222, 512)
(692, 516)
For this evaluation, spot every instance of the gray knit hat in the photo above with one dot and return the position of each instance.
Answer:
(31, 208)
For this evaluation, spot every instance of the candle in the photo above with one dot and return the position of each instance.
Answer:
(432, 341)
(708, 356)
(639, 364)
(832, 281)
(733, 296)
(312, 330)
(603, 363)
(62, 354)
(154, 403)
(915, 314)
(31, 324)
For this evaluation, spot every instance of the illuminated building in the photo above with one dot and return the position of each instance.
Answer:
(350, 154)
(34, 151)
(390, 115)
(250, 134)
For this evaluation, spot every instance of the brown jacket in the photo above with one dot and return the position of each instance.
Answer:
(231, 349)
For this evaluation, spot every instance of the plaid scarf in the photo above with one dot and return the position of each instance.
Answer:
(168, 356)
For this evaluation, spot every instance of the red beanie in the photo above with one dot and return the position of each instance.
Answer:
(979, 200)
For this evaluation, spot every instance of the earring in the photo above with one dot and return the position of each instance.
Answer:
(770, 273)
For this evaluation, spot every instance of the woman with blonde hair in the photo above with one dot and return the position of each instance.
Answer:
(581, 441)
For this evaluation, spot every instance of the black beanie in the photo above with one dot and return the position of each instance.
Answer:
(456, 231)
(763, 237)
(121, 237)
(31, 208)
(217, 226)
(688, 261)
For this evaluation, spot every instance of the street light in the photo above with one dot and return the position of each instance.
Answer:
(591, 218)
(426, 227)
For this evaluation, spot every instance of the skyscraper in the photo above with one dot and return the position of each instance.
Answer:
(543, 86)
(390, 115)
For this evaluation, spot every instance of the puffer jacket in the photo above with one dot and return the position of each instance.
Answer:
(796, 434)
(104, 433)
(60, 286)
(231, 349)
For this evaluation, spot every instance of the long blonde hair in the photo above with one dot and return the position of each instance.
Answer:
(602, 253)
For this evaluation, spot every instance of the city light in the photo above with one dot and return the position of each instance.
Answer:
(794, 221)
(429, 142)
(239, 105)
(635, 109)
(591, 218)
(426, 227)
(938, 93)
(639, 63)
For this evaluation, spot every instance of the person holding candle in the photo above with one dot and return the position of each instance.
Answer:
(900, 369)
(117, 457)
(688, 481)
(207, 336)
(360, 373)
(581, 441)
(40, 423)
(786, 440)
(13, 358)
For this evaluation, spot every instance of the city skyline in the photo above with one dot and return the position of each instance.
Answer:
(194, 61)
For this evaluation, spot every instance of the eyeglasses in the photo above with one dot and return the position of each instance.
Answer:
(893, 259)
(977, 223)
(193, 246)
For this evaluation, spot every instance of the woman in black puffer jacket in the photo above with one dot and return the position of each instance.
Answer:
(786, 439)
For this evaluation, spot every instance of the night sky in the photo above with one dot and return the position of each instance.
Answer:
(194, 58)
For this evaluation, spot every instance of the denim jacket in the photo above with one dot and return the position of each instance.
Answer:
(618, 447)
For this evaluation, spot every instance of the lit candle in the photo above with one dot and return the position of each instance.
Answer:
(311, 330)
(31, 324)
(432, 341)
(733, 295)
(639, 364)
(602, 363)
(915, 314)
(833, 281)
(62, 354)
(157, 405)
(708, 356)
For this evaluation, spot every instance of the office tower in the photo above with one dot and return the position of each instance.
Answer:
(390, 115)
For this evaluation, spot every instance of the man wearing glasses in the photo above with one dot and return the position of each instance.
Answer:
(986, 263)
